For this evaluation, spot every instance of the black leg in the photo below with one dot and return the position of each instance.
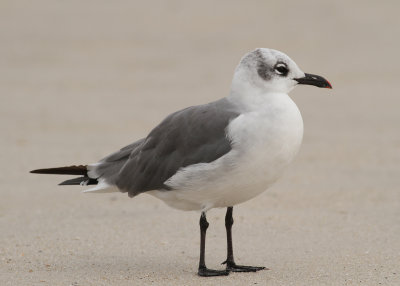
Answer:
(230, 262)
(203, 270)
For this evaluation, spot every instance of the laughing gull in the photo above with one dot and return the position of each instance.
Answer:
(214, 155)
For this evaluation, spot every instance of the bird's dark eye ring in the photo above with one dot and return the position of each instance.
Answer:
(281, 69)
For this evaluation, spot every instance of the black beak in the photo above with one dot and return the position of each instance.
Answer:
(313, 79)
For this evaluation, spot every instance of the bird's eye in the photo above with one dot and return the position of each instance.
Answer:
(281, 69)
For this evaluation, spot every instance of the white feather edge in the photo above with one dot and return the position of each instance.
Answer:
(102, 187)
(91, 169)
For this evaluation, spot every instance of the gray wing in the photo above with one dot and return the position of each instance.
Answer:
(109, 167)
(193, 135)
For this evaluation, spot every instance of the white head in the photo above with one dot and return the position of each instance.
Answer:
(270, 70)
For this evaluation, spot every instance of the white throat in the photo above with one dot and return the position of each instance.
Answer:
(249, 97)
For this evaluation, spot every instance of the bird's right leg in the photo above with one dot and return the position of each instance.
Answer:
(203, 270)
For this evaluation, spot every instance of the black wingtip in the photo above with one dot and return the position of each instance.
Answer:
(70, 170)
(83, 181)
(37, 171)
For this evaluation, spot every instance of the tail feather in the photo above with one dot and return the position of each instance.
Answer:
(70, 170)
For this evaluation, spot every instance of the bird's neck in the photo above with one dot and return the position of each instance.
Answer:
(250, 98)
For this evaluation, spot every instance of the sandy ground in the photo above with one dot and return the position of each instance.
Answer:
(80, 79)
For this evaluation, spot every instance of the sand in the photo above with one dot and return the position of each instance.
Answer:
(80, 79)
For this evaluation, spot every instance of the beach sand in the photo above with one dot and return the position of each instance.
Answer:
(81, 79)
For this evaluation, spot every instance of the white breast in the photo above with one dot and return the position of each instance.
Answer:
(264, 142)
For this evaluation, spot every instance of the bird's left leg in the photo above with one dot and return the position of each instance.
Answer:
(203, 270)
(230, 262)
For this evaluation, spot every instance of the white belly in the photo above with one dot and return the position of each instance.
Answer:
(264, 142)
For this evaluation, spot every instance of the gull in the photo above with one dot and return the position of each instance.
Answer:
(214, 155)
